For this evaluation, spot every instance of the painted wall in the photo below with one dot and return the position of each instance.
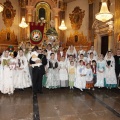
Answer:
(15, 27)
(83, 4)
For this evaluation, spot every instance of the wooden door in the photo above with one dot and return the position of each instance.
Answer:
(104, 44)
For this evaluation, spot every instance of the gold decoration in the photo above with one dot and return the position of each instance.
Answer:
(116, 25)
(47, 9)
(62, 5)
(76, 18)
(8, 14)
(55, 1)
(23, 3)
(77, 39)
(118, 38)
(8, 37)
(91, 1)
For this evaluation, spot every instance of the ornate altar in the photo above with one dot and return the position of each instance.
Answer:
(43, 11)
(77, 39)
(8, 37)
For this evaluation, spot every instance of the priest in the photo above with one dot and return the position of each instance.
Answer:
(37, 61)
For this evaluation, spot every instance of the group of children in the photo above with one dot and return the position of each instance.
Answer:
(82, 70)
(14, 72)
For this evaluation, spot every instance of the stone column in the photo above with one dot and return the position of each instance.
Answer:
(95, 42)
(30, 13)
(98, 44)
(29, 18)
(56, 17)
(110, 42)
(90, 19)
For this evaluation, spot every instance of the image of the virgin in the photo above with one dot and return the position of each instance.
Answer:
(8, 13)
(8, 36)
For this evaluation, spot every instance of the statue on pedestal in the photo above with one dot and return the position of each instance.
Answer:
(51, 32)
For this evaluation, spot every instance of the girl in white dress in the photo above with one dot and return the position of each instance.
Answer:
(91, 57)
(22, 79)
(53, 80)
(1, 69)
(81, 51)
(81, 57)
(80, 81)
(63, 74)
(100, 72)
(89, 76)
(14, 65)
(69, 59)
(71, 74)
(93, 51)
(71, 51)
(7, 86)
(110, 80)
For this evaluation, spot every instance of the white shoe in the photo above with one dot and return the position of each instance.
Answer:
(93, 89)
(118, 87)
(81, 89)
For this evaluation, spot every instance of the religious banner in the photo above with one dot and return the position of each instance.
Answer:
(36, 32)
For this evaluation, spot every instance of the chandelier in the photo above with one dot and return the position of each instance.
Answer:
(104, 14)
(23, 24)
(1, 7)
(62, 26)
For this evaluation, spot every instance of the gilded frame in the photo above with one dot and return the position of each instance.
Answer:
(47, 15)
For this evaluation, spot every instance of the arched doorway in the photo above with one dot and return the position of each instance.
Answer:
(43, 11)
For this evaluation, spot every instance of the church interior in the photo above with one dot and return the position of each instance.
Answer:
(63, 23)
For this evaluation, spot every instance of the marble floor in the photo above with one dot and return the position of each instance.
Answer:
(61, 104)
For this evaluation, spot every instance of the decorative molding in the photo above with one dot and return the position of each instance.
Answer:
(23, 3)
(76, 18)
(62, 5)
(47, 9)
(91, 1)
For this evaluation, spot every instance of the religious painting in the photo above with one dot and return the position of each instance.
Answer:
(8, 36)
(8, 13)
(76, 18)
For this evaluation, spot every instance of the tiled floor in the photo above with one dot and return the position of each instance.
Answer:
(61, 104)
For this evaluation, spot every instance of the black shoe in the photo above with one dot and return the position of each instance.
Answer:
(40, 92)
(34, 93)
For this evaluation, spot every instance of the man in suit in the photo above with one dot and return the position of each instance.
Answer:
(117, 66)
(37, 61)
